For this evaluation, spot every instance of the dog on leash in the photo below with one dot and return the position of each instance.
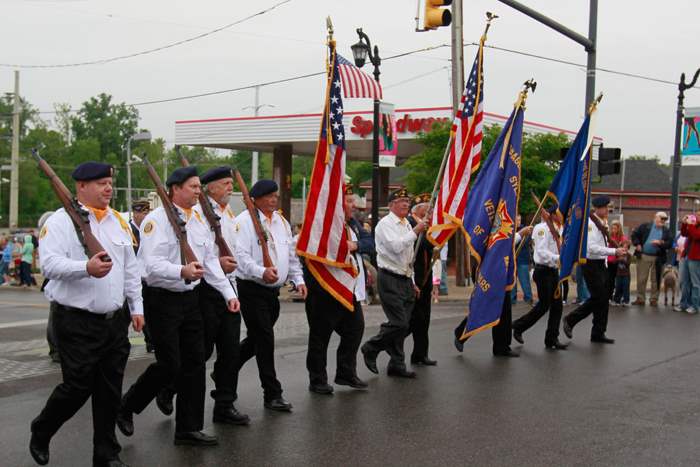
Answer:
(669, 283)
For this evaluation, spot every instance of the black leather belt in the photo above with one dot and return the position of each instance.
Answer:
(101, 316)
(542, 266)
(394, 274)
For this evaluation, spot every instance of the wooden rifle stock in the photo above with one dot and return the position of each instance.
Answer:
(78, 215)
(208, 211)
(187, 256)
(254, 217)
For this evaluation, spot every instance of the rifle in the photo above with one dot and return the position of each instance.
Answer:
(255, 218)
(187, 256)
(550, 225)
(78, 215)
(603, 229)
(208, 211)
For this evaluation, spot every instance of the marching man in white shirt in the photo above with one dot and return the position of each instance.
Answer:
(258, 286)
(594, 271)
(91, 323)
(394, 238)
(173, 312)
(546, 276)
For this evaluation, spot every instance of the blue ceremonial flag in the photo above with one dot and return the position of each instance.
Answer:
(570, 191)
(489, 224)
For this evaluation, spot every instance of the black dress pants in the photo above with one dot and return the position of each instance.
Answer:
(420, 321)
(222, 329)
(398, 296)
(502, 333)
(178, 336)
(546, 280)
(326, 315)
(260, 308)
(612, 274)
(94, 352)
(596, 278)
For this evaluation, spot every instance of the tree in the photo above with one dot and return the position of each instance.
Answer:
(540, 160)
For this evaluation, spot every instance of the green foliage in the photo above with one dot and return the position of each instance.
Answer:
(541, 153)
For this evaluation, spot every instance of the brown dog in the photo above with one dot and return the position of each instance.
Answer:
(669, 283)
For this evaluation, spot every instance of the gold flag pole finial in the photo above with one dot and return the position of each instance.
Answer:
(529, 85)
(329, 27)
(594, 105)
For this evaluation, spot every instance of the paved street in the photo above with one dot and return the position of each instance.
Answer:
(633, 403)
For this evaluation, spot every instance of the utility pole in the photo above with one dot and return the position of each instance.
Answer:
(14, 161)
(457, 90)
(256, 155)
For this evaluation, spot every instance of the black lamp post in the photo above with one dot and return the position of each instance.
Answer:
(682, 86)
(360, 52)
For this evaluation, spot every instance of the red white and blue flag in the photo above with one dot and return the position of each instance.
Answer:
(356, 83)
(463, 159)
(323, 240)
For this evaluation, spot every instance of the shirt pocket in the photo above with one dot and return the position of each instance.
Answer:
(118, 247)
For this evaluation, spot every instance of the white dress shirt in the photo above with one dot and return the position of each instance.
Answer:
(360, 288)
(64, 262)
(545, 249)
(279, 243)
(159, 253)
(227, 220)
(394, 239)
(597, 247)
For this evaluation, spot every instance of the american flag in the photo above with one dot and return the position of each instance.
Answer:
(323, 240)
(463, 159)
(357, 83)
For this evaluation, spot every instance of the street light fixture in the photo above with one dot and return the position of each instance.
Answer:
(142, 136)
(360, 51)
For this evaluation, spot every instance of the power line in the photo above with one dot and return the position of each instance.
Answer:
(150, 51)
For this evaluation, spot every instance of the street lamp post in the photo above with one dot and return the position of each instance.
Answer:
(143, 136)
(360, 52)
(682, 86)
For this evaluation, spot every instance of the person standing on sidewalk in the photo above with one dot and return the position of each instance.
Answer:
(690, 228)
(594, 271)
(546, 236)
(174, 313)
(259, 285)
(651, 240)
(91, 323)
(523, 269)
(394, 238)
(615, 241)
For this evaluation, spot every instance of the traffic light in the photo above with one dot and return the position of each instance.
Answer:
(609, 161)
(435, 15)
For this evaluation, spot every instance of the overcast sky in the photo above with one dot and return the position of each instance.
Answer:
(640, 37)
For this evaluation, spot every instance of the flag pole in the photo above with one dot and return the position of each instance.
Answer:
(433, 195)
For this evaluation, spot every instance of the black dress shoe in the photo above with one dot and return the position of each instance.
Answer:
(505, 353)
(353, 382)
(280, 405)
(556, 345)
(321, 388)
(568, 329)
(459, 345)
(149, 349)
(39, 449)
(400, 373)
(370, 360)
(164, 401)
(195, 438)
(110, 463)
(602, 339)
(518, 336)
(425, 361)
(230, 415)
(125, 421)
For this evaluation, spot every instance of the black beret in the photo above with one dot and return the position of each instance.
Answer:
(92, 171)
(552, 209)
(217, 173)
(400, 193)
(601, 201)
(263, 187)
(179, 176)
(420, 199)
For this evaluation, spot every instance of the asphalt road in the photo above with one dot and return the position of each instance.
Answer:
(632, 403)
